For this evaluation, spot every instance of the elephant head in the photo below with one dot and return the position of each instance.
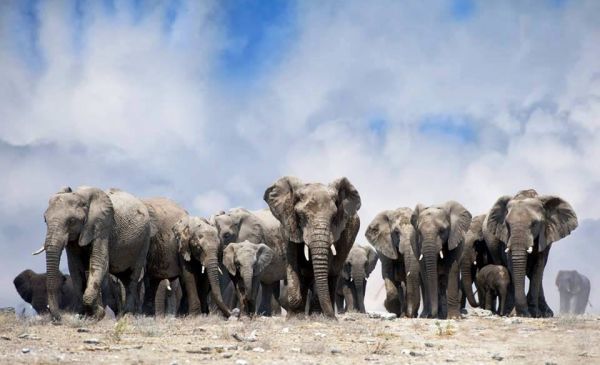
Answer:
(198, 239)
(359, 265)
(236, 224)
(76, 218)
(440, 231)
(31, 287)
(314, 214)
(391, 233)
(473, 248)
(246, 261)
(528, 223)
(569, 281)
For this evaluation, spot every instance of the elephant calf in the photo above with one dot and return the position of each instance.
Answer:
(352, 284)
(492, 282)
(168, 297)
(574, 291)
(247, 264)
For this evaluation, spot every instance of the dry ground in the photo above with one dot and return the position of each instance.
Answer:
(354, 338)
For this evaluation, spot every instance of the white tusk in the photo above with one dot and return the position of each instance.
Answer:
(169, 287)
(441, 255)
(306, 252)
(202, 268)
(333, 250)
(507, 249)
(421, 257)
(42, 249)
(351, 279)
(142, 272)
(530, 250)
(408, 274)
(220, 272)
(474, 262)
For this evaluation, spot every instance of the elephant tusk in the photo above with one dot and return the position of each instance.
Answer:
(142, 272)
(441, 255)
(351, 279)
(169, 287)
(333, 251)
(421, 257)
(475, 262)
(220, 272)
(42, 249)
(202, 268)
(507, 249)
(306, 253)
(408, 274)
(530, 250)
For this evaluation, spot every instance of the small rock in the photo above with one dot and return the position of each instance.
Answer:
(241, 362)
(83, 330)
(428, 344)
(350, 319)
(5, 338)
(295, 349)
(497, 357)
(285, 330)
(550, 363)
(227, 355)
(478, 312)
(25, 350)
(91, 341)
(235, 312)
(258, 349)
(410, 353)
(336, 351)
(381, 315)
(174, 363)
(319, 334)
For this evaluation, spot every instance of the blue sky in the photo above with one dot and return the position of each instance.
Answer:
(209, 102)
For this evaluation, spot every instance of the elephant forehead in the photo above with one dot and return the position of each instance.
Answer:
(67, 199)
(317, 190)
(246, 252)
(526, 208)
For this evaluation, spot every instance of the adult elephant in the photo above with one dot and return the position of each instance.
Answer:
(574, 289)
(163, 254)
(352, 284)
(201, 253)
(260, 226)
(525, 226)
(168, 297)
(474, 257)
(393, 236)
(321, 221)
(102, 232)
(440, 231)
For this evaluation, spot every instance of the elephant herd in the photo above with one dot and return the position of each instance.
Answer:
(151, 256)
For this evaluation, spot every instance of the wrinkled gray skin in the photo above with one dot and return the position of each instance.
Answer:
(248, 263)
(352, 283)
(31, 287)
(168, 297)
(440, 232)
(315, 216)
(102, 232)
(163, 254)
(493, 282)
(519, 231)
(201, 251)
(238, 225)
(393, 236)
(574, 289)
(474, 257)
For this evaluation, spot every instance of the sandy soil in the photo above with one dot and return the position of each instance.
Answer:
(354, 338)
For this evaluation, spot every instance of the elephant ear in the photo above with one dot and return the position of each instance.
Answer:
(264, 256)
(402, 223)
(414, 221)
(348, 197)
(281, 199)
(460, 220)
(371, 259)
(560, 220)
(379, 235)
(100, 216)
(23, 284)
(476, 227)
(496, 217)
(229, 258)
(181, 231)
(64, 189)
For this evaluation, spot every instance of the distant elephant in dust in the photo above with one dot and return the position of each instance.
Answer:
(574, 289)
(102, 232)
(393, 236)
(440, 231)
(168, 297)
(519, 231)
(474, 257)
(320, 224)
(493, 283)
(248, 264)
(352, 284)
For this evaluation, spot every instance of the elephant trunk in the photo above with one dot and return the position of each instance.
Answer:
(319, 250)
(430, 255)
(160, 298)
(358, 275)
(248, 293)
(212, 267)
(54, 244)
(519, 266)
(466, 277)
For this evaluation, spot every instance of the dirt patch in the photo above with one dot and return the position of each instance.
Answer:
(354, 338)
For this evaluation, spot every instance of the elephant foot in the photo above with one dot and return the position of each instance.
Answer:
(99, 313)
(523, 313)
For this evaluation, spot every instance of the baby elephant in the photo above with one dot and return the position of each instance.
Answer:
(574, 291)
(168, 297)
(351, 286)
(247, 263)
(492, 282)
(31, 287)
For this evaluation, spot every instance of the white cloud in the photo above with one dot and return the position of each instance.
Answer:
(211, 202)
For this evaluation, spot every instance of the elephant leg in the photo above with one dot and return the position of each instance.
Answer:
(413, 298)
(544, 307)
(132, 287)
(296, 289)
(426, 312)
(190, 285)
(77, 272)
(98, 269)
(265, 302)
(348, 299)
(583, 297)
(535, 284)
(203, 290)
(488, 300)
(275, 302)
(502, 308)
(453, 297)
(564, 302)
